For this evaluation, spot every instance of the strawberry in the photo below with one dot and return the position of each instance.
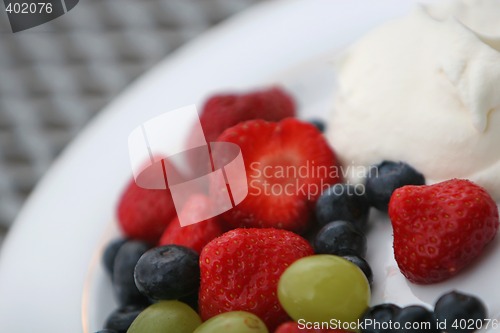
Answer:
(223, 111)
(143, 214)
(194, 236)
(293, 327)
(226, 110)
(240, 271)
(288, 165)
(440, 229)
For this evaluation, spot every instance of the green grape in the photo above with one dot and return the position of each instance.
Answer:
(323, 287)
(236, 321)
(166, 316)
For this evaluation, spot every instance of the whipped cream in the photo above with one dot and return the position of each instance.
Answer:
(425, 89)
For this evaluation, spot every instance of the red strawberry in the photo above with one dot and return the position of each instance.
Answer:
(293, 327)
(144, 214)
(223, 111)
(440, 229)
(240, 271)
(226, 110)
(288, 164)
(197, 235)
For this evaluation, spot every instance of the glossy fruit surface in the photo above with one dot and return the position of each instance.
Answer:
(166, 316)
(143, 214)
(439, 229)
(282, 163)
(343, 202)
(340, 238)
(236, 321)
(240, 272)
(323, 287)
(459, 310)
(168, 272)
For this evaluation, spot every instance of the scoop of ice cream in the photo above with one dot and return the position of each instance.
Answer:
(425, 89)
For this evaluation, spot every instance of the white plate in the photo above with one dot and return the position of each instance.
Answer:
(50, 274)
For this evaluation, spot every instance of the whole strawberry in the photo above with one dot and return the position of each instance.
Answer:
(240, 271)
(143, 214)
(293, 327)
(226, 110)
(440, 229)
(288, 165)
(194, 236)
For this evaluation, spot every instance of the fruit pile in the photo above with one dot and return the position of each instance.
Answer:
(292, 253)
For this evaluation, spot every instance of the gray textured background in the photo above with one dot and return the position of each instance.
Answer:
(55, 77)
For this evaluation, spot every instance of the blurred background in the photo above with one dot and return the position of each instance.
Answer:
(55, 77)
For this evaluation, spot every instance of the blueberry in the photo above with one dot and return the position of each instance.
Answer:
(386, 177)
(106, 331)
(378, 319)
(343, 202)
(121, 319)
(123, 273)
(168, 272)
(415, 318)
(362, 264)
(319, 124)
(340, 238)
(459, 310)
(109, 255)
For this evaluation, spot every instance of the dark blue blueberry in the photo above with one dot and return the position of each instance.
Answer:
(340, 238)
(415, 319)
(319, 124)
(168, 272)
(378, 319)
(461, 310)
(109, 255)
(343, 202)
(106, 331)
(386, 177)
(362, 264)
(121, 319)
(123, 273)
